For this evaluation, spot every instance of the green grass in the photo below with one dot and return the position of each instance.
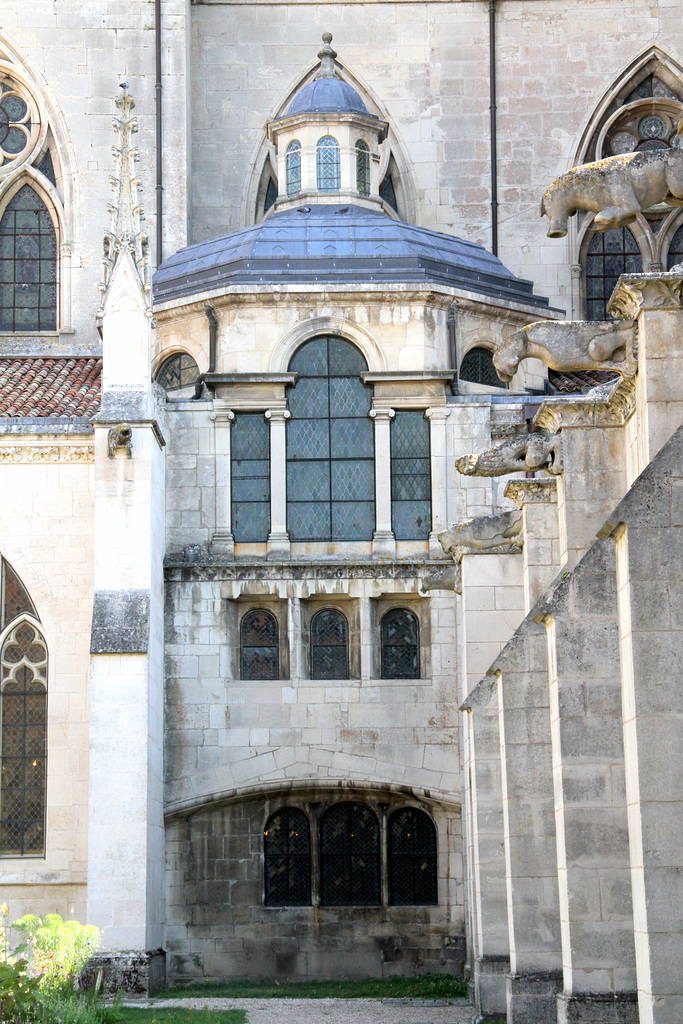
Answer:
(178, 1015)
(429, 986)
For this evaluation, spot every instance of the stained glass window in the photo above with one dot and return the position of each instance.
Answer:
(411, 505)
(675, 255)
(293, 159)
(477, 367)
(259, 645)
(23, 724)
(387, 192)
(400, 645)
(350, 857)
(287, 856)
(250, 462)
(362, 168)
(178, 371)
(329, 645)
(271, 195)
(28, 265)
(328, 164)
(14, 600)
(412, 858)
(330, 445)
(610, 253)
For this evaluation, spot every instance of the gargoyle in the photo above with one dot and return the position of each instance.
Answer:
(617, 188)
(120, 437)
(482, 533)
(571, 345)
(447, 578)
(522, 453)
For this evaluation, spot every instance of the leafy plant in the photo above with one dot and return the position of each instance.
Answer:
(18, 991)
(81, 1007)
(58, 949)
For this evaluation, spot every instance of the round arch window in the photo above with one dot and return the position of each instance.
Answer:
(477, 367)
(177, 372)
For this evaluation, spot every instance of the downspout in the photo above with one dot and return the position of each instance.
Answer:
(157, 94)
(492, 119)
(213, 334)
(452, 324)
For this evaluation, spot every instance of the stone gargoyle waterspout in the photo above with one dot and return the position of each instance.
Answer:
(617, 188)
(568, 345)
(523, 453)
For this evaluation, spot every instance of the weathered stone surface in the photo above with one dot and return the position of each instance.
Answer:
(482, 533)
(524, 453)
(120, 623)
(570, 345)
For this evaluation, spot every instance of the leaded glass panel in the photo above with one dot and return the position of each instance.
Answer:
(675, 255)
(412, 859)
(329, 645)
(362, 168)
(250, 470)
(610, 254)
(400, 645)
(178, 371)
(477, 367)
(287, 857)
(293, 159)
(28, 265)
(259, 645)
(14, 600)
(328, 164)
(411, 484)
(350, 857)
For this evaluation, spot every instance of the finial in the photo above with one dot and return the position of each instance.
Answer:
(327, 55)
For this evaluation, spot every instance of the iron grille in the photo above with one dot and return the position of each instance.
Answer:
(329, 645)
(327, 154)
(250, 470)
(411, 512)
(14, 601)
(412, 859)
(362, 168)
(178, 371)
(287, 856)
(400, 645)
(259, 645)
(24, 742)
(477, 367)
(28, 265)
(350, 857)
(610, 253)
(293, 168)
(330, 445)
(675, 250)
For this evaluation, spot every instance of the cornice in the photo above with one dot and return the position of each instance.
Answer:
(589, 410)
(177, 570)
(56, 451)
(642, 293)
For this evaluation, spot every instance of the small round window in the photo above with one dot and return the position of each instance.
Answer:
(178, 372)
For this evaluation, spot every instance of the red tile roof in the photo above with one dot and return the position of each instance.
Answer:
(49, 387)
(578, 380)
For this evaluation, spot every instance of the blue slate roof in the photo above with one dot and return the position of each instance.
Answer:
(338, 245)
(327, 95)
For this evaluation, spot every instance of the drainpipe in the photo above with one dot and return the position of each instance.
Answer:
(452, 323)
(492, 113)
(213, 333)
(157, 95)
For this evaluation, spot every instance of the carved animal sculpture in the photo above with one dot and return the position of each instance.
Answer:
(571, 345)
(525, 453)
(482, 533)
(448, 578)
(617, 188)
(120, 437)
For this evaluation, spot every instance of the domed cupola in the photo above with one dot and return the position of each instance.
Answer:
(327, 143)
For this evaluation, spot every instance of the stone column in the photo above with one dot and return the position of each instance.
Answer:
(538, 501)
(278, 538)
(439, 467)
(65, 318)
(223, 540)
(383, 540)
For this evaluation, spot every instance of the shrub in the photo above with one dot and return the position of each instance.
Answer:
(58, 949)
(18, 991)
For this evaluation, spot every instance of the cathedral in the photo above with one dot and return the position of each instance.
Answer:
(341, 468)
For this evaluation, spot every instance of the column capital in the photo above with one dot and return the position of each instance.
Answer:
(221, 415)
(278, 415)
(531, 492)
(437, 412)
(382, 414)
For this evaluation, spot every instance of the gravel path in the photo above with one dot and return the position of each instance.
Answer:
(335, 1011)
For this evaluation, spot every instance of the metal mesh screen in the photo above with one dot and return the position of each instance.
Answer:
(250, 470)
(477, 367)
(329, 645)
(259, 645)
(411, 506)
(610, 253)
(412, 859)
(327, 155)
(28, 265)
(178, 371)
(350, 857)
(287, 856)
(400, 645)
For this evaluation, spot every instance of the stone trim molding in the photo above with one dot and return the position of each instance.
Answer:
(638, 293)
(531, 492)
(181, 572)
(587, 412)
(54, 452)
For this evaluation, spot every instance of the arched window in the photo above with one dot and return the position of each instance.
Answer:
(362, 168)
(328, 164)
(609, 254)
(329, 645)
(178, 371)
(675, 254)
(287, 855)
(412, 859)
(330, 445)
(293, 167)
(477, 367)
(14, 601)
(350, 857)
(400, 645)
(259, 645)
(23, 736)
(28, 264)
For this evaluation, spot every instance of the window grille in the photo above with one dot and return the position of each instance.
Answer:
(400, 645)
(328, 164)
(28, 265)
(178, 371)
(350, 857)
(477, 367)
(329, 645)
(23, 718)
(411, 506)
(14, 601)
(250, 466)
(675, 255)
(610, 253)
(287, 856)
(330, 445)
(259, 645)
(293, 162)
(362, 168)
(412, 860)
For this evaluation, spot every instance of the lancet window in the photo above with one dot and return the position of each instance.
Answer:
(28, 264)
(327, 163)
